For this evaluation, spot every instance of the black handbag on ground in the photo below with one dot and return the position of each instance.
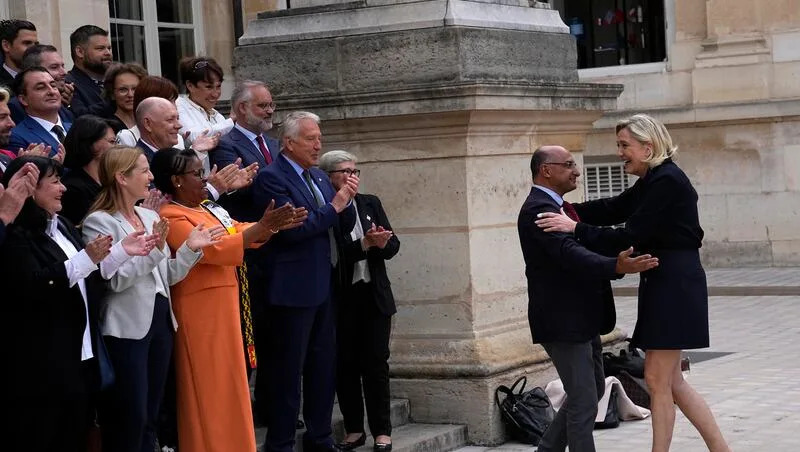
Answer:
(525, 414)
(630, 361)
(612, 412)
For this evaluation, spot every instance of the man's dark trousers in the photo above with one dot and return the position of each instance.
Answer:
(580, 367)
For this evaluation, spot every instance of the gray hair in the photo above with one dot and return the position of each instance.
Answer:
(243, 91)
(329, 160)
(646, 129)
(291, 125)
(5, 95)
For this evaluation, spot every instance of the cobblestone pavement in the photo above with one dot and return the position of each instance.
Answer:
(754, 392)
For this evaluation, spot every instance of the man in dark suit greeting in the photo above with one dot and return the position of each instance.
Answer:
(297, 265)
(569, 299)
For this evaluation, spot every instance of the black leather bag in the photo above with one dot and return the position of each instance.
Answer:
(525, 414)
(612, 412)
(630, 361)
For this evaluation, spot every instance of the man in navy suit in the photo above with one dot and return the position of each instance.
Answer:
(90, 48)
(570, 302)
(252, 106)
(39, 96)
(296, 265)
(46, 56)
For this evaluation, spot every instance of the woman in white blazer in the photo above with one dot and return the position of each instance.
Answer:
(136, 316)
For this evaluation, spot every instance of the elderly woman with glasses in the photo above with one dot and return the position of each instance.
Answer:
(366, 306)
(661, 218)
(214, 411)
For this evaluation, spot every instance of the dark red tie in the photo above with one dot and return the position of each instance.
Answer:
(570, 211)
(264, 150)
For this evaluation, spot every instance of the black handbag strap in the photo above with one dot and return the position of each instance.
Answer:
(523, 380)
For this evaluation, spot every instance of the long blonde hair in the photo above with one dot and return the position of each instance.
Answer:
(117, 159)
(646, 129)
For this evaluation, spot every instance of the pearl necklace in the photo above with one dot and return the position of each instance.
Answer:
(196, 209)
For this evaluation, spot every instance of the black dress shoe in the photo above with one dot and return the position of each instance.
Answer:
(350, 445)
(382, 447)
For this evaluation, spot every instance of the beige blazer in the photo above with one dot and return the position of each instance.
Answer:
(127, 310)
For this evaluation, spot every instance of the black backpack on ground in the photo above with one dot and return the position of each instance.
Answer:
(526, 415)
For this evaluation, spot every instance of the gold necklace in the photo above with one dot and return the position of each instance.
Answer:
(135, 221)
(196, 209)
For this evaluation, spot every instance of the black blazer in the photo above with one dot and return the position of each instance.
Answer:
(569, 294)
(88, 97)
(81, 193)
(370, 211)
(45, 318)
(659, 212)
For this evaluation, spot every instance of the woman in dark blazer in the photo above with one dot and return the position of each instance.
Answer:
(53, 353)
(661, 218)
(366, 306)
(88, 139)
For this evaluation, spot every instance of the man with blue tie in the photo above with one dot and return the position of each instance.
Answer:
(252, 106)
(39, 96)
(296, 267)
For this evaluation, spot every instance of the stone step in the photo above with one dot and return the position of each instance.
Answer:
(398, 411)
(424, 438)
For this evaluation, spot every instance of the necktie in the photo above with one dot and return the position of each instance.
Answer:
(570, 211)
(320, 203)
(59, 131)
(264, 150)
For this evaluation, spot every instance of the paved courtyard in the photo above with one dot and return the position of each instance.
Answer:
(754, 391)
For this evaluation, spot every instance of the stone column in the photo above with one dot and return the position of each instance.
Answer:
(443, 102)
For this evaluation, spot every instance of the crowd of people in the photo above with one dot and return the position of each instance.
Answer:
(158, 252)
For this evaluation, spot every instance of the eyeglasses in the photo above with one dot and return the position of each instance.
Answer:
(267, 106)
(567, 165)
(125, 90)
(347, 171)
(200, 173)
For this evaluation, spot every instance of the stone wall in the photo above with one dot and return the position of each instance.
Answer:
(730, 95)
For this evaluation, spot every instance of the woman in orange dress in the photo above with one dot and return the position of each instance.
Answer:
(214, 411)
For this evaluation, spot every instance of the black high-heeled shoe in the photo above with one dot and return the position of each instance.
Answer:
(382, 447)
(350, 445)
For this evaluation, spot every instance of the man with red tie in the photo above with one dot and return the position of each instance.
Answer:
(570, 303)
(252, 108)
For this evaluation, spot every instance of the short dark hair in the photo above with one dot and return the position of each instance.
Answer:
(154, 86)
(33, 56)
(197, 69)
(19, 81)
(32, 216)
(115, 70)
(537, 159)
(9, 29)
(80, 37)
(169, 162)
(84, 133)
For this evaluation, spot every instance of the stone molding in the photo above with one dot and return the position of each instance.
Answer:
(363, 17)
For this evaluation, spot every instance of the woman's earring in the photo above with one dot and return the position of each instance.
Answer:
(179, 185)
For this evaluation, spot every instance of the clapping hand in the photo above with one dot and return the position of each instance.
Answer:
(59, 157)
(160, 230)
(67, 91)
(377, 237)
(200, 238)
(276, 219)
(98, 248)
(139, 244)
(345, 194)
(155, 199)
(223, 179)
(20, 187)
(35, 150)
(206, 142)
(244, 176)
